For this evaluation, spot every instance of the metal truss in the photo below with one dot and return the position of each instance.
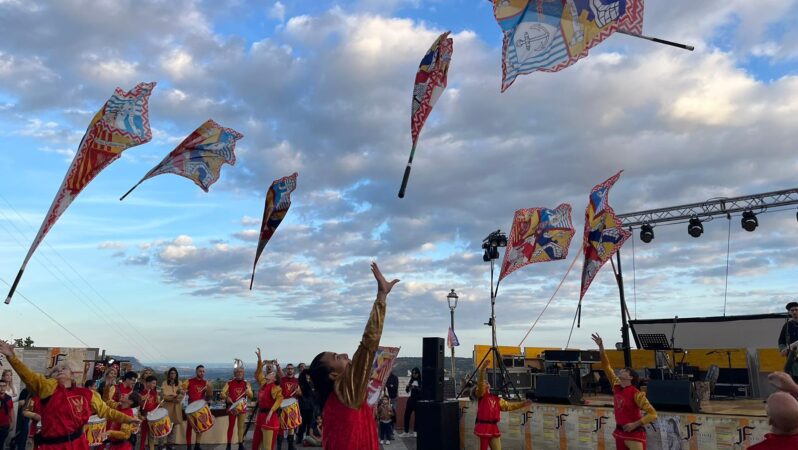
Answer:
(711, 208)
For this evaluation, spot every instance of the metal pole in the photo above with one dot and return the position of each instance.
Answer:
(454, 374)
(627, 351)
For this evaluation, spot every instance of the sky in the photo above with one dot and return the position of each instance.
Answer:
(323, 89)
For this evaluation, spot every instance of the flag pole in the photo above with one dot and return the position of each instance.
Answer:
(14, 286)
(407, 172)
(658, 40)
(131, 189)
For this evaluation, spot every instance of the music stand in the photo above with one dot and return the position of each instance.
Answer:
(654, 342)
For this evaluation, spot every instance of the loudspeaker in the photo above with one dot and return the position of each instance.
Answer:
(437, 425)
(432, 369)
(557, 389)
(672, 395)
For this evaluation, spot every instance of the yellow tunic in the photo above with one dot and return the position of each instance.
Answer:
(640, 398)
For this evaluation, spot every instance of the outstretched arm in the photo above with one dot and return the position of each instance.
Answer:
(605, 361)
(352, 385)
(36, 383)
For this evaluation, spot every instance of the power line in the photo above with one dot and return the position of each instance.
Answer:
(47, 315)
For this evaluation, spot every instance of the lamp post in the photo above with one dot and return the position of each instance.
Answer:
(452, 299)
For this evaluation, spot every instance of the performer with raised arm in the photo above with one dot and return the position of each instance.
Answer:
(628, 401)
(788, 341)
(66, 407)
(489, 411)
(236, 390)
(150, 401)
(341, 384)
(196, 388)
(270, 396)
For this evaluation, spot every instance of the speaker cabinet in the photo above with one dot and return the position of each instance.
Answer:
(557, 389)
(432, 369)
(672, 395)
(438, 425)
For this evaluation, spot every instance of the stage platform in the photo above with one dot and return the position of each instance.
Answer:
(721, 424)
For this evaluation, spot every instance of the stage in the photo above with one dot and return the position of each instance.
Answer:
(721, 424)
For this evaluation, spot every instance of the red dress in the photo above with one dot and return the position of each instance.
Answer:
(627, 411)
(360, 426)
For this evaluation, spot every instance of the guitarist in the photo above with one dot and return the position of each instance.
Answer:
(788, 341)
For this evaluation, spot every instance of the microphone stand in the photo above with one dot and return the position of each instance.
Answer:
(673, 352)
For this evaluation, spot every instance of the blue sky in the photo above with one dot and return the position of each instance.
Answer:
(323, 88)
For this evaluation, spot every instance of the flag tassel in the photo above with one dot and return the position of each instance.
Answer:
(131, 190)
(14, 286)
(407, 172)
(658, 40)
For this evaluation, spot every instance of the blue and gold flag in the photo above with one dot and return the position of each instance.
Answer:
(538, 235)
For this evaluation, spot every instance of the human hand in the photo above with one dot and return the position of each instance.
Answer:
(784, 352)
(258, 355)
(528, 403)
(783, 382)
(37, 417)
(631, 426)
(268, 416)
(6, 349)
(383, 287)
(597, 339)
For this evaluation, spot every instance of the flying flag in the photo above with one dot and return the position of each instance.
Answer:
(200, 156)
(384, 359)
(550, 35)
(538, 235)
(278, 200)
(121, 123)
(451, 339)
(430, 83)
(604, 234)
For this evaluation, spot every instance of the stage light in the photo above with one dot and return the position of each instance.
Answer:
(491, 245)
(646, 233)
(749, 221)
(695, 228)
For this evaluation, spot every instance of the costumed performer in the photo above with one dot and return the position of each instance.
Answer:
(489, 412)
(234, 390)
(341, 384)
(270, 396)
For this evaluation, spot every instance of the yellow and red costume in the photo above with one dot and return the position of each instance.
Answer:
(489, 408)
(348, 419)
(270, 397)
(233, 391)
(64, 410)
(149, 402)
(119, 434)
(627, 402)
(196, 389)
(122, 390)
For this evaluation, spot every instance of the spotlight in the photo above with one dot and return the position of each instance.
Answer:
(694, 228)
(749, 221)
(646, 233)
(486, 256)
(491, 245)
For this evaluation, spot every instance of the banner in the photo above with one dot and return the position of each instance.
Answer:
(384, 360)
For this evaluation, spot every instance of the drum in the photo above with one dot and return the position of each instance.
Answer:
(239, 407)
(159, 422)
(290, 417)
(199, 416)
(94, 431)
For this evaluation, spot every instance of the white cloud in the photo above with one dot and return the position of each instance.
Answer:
(277, 11)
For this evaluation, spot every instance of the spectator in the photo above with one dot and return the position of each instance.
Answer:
(414, 388)
(385, 415)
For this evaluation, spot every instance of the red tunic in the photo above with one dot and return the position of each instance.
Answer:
(149, 401)
(196, 389)
(34, 424)
(236, 389)
(290, 387)
(63, 414)
(627, 411)
(117, 444)
(347, 428)
(488, 415)
(6, 410)
(266, 401)
(776, 442)
(121, 390)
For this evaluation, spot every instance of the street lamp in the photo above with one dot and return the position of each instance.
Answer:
(452, 299)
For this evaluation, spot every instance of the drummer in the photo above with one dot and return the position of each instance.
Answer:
(66, 406)
(197, 388)
(270, 397)
(149, 403)
(125, 387)
(290, 386)
(235, 390)
(119, 434)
